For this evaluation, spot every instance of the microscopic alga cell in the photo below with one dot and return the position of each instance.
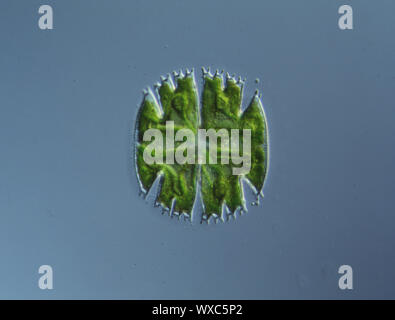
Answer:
(175, 127)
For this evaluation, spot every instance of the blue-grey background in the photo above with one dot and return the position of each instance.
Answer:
(68, 197)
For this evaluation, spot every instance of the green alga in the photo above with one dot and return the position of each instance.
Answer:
(221, 109)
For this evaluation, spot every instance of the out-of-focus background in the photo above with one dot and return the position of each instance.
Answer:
(68, 192)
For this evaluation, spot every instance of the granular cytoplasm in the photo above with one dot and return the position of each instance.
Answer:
(201, 148)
